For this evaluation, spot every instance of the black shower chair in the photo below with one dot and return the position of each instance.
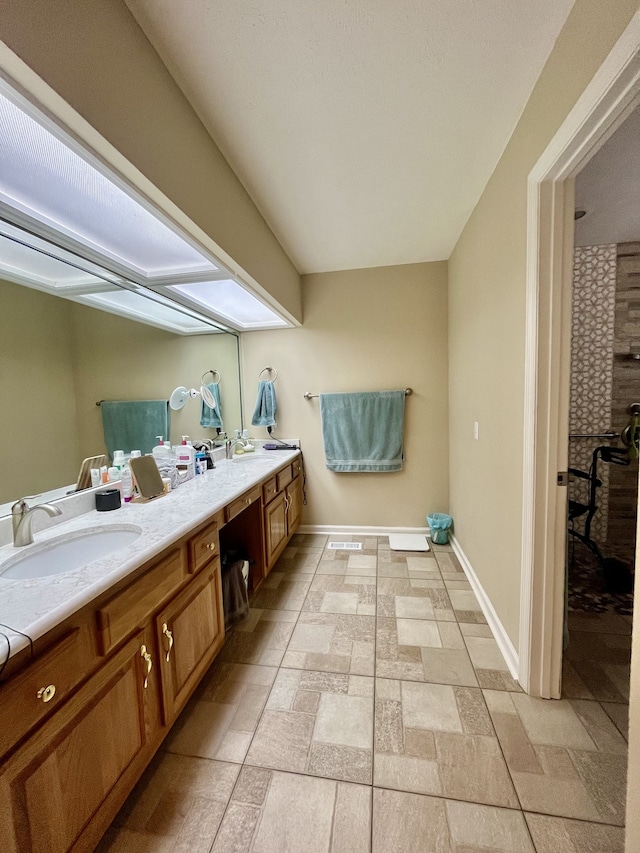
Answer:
(611, 456)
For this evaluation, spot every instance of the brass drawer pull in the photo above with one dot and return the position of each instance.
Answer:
(144, 654)
(47, 693)
(169, 635)
(209, 546)
(247, 501)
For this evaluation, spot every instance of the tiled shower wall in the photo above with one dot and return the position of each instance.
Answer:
(592, 344)
(623, 481)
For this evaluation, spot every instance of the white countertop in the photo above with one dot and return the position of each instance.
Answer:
(37, 605)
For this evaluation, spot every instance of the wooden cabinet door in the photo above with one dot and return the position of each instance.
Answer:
(275, 525)
(52, 790)
(294, 505)
(190, 630)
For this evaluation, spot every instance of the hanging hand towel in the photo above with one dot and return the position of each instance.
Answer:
(212, 418)
(264, 413)
(363, 431)
(134, 425)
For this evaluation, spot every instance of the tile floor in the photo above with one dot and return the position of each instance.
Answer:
(364, 706)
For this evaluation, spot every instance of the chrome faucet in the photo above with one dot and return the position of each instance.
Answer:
(22, 518)
(230, 444)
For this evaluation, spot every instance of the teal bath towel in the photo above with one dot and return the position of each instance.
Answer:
(134, 425)
(264, 413)
(212, 418)
(363, 431)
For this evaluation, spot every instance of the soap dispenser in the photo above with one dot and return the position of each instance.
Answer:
(162, 449)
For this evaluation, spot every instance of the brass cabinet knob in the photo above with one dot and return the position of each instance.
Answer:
(144, 654)
(247, 501)
(210, 546)
(169, 635)
(47, 693)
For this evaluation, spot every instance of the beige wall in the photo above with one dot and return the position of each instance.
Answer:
(117, 359)
(97, 58)
(364, 330)
(487, 317)
(39, 448)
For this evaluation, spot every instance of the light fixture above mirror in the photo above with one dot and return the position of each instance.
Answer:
(53, 191)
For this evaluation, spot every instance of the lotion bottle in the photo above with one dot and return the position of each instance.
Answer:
(127, 483)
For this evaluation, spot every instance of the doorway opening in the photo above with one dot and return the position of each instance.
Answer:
(607, 102)
(604, 423)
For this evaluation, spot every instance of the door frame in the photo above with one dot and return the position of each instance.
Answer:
(610, 97)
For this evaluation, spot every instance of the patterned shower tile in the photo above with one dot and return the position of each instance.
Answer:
(438, 739)
(317, 723)
(332, 642)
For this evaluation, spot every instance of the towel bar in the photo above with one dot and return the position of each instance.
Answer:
(307, 396)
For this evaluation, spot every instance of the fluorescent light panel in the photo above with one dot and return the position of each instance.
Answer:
(146, 310)
(45, 177)
(229, 300)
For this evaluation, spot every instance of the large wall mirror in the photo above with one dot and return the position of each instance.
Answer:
(59, 358)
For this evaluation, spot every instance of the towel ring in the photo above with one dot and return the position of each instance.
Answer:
(270, 370)
(214, 373)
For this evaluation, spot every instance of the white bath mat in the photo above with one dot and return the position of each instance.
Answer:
(345, 546)
(408, 542)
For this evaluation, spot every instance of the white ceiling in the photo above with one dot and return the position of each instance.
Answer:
(364, 130)
(608, 188)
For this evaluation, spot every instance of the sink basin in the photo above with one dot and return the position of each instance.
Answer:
(68, 553)
(250, 457)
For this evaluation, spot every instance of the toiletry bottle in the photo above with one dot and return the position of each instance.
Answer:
(162, 449)
(127, 483)
(186, 459)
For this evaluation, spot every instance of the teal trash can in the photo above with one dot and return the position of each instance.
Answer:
(439, 526)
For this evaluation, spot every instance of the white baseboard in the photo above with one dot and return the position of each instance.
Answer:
(350, 530)
(505, 645)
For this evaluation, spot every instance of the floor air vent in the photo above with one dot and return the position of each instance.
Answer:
(345, 546)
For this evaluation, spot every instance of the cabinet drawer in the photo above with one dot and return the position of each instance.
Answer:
(236, 507)
(40, 688)
(269, 490)
(284, 477)
(204, 546)
(125, 611)
(296, 467)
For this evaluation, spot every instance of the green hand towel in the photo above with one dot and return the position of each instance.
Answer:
(134, 424)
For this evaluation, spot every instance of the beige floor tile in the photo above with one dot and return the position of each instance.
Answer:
(619, 713)
(342, 594)
(573, 687)
(409, 822)
(476, 827)
(472, 768)
(408, 607)
(177, 805)
(430, 706)
(328, 817)
(264, 644)
(560, 835)
(552, 722)
(343, 643)
(317, 723)
(471, 629)
(604, 776)
(361, 562)
(448, 666)
(344, 720)
(288, 595)
(485, 653)
(463, 599)
(562, 797)
(418, 632)
(602, 731)
(407, 773)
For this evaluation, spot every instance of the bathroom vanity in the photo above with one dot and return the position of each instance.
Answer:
(120, 645)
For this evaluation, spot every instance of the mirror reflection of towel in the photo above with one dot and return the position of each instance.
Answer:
(134, 424)
(212, 418)
(264, 413)
(363, 431)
